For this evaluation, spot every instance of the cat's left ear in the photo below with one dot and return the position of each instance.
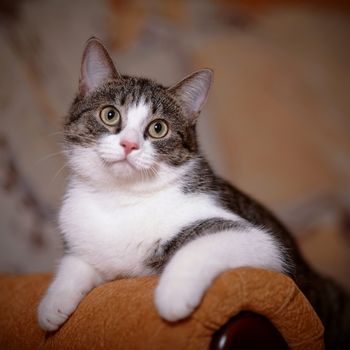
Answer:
(96, 67)
(192, 92)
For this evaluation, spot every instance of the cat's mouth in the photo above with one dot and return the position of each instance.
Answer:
(129, 165)
(120, 162)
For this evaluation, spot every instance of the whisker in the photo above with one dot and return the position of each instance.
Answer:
(49, 156)
(154, 171)
(58, 172)
(142, 176)
(148, 173)
(82, 138)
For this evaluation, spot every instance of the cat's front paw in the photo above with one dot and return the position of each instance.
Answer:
(55, 308)
(176, 299)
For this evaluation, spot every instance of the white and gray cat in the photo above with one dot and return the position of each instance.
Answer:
(142, 199)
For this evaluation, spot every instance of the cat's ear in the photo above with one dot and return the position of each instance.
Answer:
(96, 67)
(192, 92)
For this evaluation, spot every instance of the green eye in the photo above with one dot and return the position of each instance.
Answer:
(110, 116)
(158, 129)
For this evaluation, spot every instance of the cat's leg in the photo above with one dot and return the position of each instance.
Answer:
(193, 268)
(73, 280)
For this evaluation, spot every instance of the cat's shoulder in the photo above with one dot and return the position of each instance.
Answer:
(202, 179)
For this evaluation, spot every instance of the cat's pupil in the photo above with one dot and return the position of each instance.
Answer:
(110, 115)
(158, 127)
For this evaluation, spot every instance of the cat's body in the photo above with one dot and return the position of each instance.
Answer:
(121, 232)
(143, 200)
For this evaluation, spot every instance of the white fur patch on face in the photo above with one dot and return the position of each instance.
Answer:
(137, 115)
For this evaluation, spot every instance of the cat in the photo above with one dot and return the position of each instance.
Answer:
(143, 200)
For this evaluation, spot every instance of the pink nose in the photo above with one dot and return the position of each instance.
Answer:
(129, 146)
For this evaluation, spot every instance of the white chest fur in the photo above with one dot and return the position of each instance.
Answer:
(115, 231)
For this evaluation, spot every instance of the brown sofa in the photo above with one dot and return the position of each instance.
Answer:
(244, 308)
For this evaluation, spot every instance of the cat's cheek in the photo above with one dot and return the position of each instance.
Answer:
(177, 297)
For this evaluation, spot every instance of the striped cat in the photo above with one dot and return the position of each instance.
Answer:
(143, 200)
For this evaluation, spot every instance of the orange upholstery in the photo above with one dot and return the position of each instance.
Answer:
(121, 314)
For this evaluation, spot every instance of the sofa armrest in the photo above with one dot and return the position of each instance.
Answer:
(121, 314)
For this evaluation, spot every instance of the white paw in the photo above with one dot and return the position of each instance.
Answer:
(175, 299)
(56, 307)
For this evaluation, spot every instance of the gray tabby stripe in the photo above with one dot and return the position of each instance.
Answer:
(199, 228)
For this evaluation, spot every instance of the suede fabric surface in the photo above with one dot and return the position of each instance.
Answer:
(121, 314)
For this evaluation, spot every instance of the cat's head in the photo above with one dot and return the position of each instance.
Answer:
(128, 129)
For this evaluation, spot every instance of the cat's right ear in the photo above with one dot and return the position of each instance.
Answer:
(96, 67)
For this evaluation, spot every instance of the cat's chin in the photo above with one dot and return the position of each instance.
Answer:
(126, 171)
(122, 169)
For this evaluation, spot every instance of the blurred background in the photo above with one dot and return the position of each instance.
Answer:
(277, 122)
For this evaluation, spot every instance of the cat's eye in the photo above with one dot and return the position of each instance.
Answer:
(110, 115)
(158, 129)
